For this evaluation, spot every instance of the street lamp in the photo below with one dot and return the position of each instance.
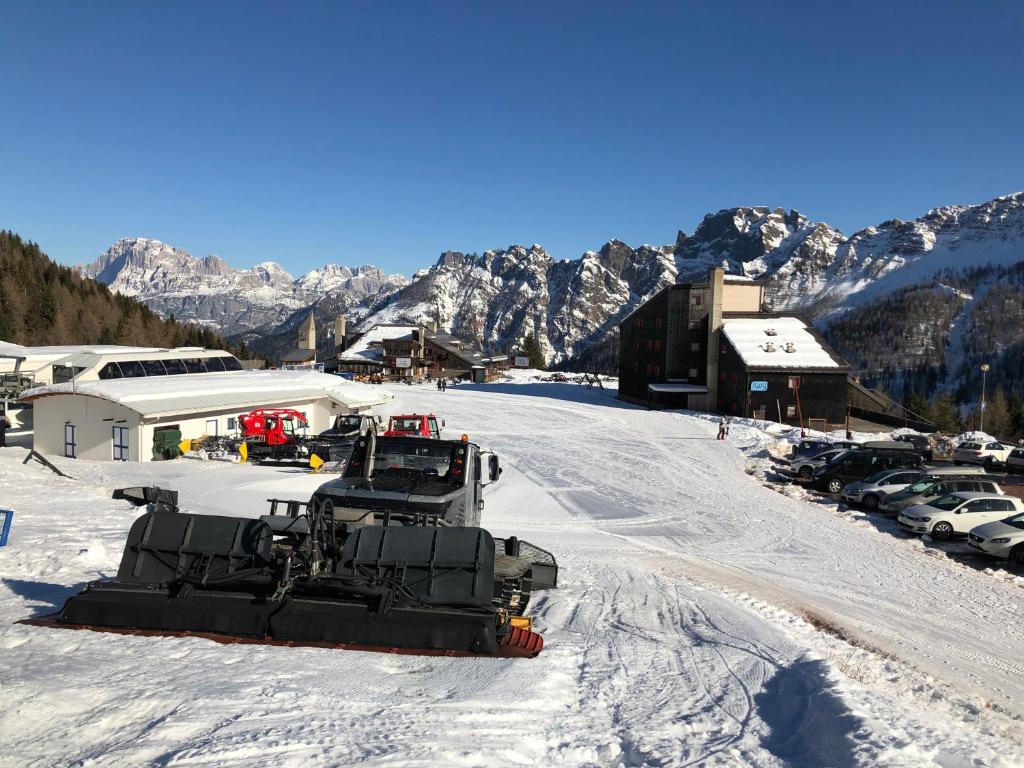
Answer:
(984, 371)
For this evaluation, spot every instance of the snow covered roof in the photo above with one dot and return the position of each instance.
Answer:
(361, 350)
(777, 342)
(169, 395)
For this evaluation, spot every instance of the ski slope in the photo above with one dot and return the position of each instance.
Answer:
(702, 619)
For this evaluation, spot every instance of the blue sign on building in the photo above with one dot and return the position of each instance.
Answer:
(759, 386)
(6, 515)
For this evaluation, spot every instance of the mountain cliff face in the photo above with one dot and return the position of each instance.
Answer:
(500, 296)
(573, 306)
(210, 292)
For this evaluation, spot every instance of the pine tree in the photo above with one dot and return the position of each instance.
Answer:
(531, 348)
(997, 414)
(919, 405)
(945, 416)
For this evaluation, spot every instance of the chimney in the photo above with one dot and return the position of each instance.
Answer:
(769, 347)
(339, 332)
(433, 326)
(790, 347)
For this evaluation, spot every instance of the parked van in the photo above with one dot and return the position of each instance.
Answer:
(863, 462)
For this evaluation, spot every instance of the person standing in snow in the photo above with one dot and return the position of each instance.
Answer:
(728, 421)
(721, 429)
(5, 424)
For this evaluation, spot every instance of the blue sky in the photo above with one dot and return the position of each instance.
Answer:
(386, 133)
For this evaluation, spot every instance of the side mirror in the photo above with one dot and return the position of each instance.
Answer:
(490, 470)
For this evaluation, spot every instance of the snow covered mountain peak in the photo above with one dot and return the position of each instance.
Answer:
(211, 292)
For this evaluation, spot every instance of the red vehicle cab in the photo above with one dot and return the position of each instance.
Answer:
(272, 426)
(414, 425)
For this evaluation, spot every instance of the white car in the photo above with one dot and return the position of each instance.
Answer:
(958, 513)
(1015, 461)
(871, 490)
(1004, 539)
(988, 453)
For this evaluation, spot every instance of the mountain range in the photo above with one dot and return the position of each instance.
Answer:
(573, 306)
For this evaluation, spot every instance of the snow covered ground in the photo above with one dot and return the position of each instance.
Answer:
(703, 619)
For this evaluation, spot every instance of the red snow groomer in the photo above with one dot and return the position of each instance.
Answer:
(274, 434)
(415, 425)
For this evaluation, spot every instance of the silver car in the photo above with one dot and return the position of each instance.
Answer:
(870, 491)
(928, 488)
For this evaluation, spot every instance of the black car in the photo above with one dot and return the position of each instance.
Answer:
(921, 445)
(858, 464)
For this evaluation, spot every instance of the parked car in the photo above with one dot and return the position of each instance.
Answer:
(871, 490)
(1004, 538)
(808, 448)
(921, 444)
(957, 513)
(849, 444)
(930, 487)
(1015, 461)
(862, 463)
(989, 453)
(804, 467)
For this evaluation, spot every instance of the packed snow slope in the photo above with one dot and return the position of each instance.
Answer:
(701, 619)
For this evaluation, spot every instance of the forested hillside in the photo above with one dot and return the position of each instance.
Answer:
(43, 303)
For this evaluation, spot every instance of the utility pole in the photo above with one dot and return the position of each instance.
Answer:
(984, 373)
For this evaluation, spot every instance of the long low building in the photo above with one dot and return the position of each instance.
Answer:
(123, 419)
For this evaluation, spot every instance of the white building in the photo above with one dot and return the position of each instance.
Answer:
(118, 418)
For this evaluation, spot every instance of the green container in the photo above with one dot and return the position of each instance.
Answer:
(165, 444)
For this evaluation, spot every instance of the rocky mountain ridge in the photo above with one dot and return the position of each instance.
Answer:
(210, 292)
(573, 306)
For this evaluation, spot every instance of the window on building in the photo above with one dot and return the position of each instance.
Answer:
(695, 346)
(110, 371)
(694, 325)
(657, 322)
(734, 377)
(120, 440)
(211, 427)
(194, 365)
(65, 373)
(657, 370)
(790, 410)
(131, 369)
(231, 363)
(650, 345)
(657, 345)
(232, 424)
(636, 343)
(175, 367)
(214, 364)
(70, 443)
(721, 376)
(694, 373)
(794, 382)
(639, 322)
(154, 367)
(696, 299)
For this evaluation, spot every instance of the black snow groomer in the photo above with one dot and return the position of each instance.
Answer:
(386, 573)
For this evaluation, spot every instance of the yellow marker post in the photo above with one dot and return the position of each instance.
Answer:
(185, 446)
(316, 462)
(243, 451)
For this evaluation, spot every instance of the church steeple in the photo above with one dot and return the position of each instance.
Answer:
(307, 334)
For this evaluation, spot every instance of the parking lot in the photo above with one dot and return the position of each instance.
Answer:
(956, 548)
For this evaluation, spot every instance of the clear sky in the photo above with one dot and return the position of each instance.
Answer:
(385, 133)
